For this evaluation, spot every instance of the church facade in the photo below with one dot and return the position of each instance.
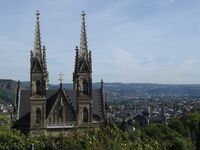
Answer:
(40, 110)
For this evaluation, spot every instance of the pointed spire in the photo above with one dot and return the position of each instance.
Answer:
(83, 42)
(102, 84)
(31, 56)
(61, 79)
(17, 100)
(103, 103)
(90, 59)
(44, 58)
(76, 59)
(37, 42)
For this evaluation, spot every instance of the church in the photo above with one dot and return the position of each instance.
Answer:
(41, 110)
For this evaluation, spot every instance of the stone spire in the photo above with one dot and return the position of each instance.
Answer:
(61, 79)
(83, 40)
(44, 58)
(103, 103)
(90, 59)
(102, 84)
(102, 99)
(37, 43)
(76, 59)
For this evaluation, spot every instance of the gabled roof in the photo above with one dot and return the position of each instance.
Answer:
(52, 100)
(37, 65)
(84, 66)
(24, 108)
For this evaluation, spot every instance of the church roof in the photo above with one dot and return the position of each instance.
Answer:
(52, 99)
(24, 107)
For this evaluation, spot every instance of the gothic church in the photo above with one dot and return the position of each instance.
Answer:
(40, 110)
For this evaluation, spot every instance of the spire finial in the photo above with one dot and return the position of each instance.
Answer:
(61, 79)
(37, 14)
(83, 14)
(102, 84)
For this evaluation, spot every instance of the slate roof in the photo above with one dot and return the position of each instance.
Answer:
(24, 108)
(52, 99)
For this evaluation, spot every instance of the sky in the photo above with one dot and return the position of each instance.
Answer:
(137, 41)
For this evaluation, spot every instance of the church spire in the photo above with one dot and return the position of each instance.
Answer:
(76, 59)
(83, 40)
(44, 58)
(37, 43)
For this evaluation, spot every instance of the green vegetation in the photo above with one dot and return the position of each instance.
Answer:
(5, 120)
(6, 96)
(181, 134)
(189, 127)
(168, 138)
(95, 139)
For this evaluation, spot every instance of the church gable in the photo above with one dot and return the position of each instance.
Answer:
(84, 67)
(37, 66)
(62, 112)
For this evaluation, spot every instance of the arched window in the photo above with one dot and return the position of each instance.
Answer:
(85, 87)
(38, 87)
(38, 115)
(85, 115)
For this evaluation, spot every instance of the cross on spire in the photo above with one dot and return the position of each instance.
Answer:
(60, 79)
(37, 14)
(83, 14)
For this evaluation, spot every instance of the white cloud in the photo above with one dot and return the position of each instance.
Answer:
(131, 40)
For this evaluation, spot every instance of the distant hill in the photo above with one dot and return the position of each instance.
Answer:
(122, 91)
(7, 90)
(116, 91)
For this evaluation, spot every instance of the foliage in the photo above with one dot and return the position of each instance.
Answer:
(188, 126)
(168, 138)
(12, 139)
(181, 134)
(7, 96)
(5, 120)
(93, 139)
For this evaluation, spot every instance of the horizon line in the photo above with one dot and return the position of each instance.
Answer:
(115, 82)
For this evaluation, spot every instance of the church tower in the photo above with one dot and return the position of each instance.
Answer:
(82, 78)
(38, 81)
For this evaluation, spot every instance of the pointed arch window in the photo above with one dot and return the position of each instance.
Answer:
(38, 87)
(38, 116)
(85, 87)
(85, 115)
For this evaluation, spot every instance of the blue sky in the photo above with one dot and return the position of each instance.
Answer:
(143, 41)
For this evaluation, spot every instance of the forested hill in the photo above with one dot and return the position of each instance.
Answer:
(128, 91)
(7, 90)
(116, 91)
(145, 90)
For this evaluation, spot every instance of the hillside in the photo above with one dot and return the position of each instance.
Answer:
(7, 90)
(116, 91)
(130, 91)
